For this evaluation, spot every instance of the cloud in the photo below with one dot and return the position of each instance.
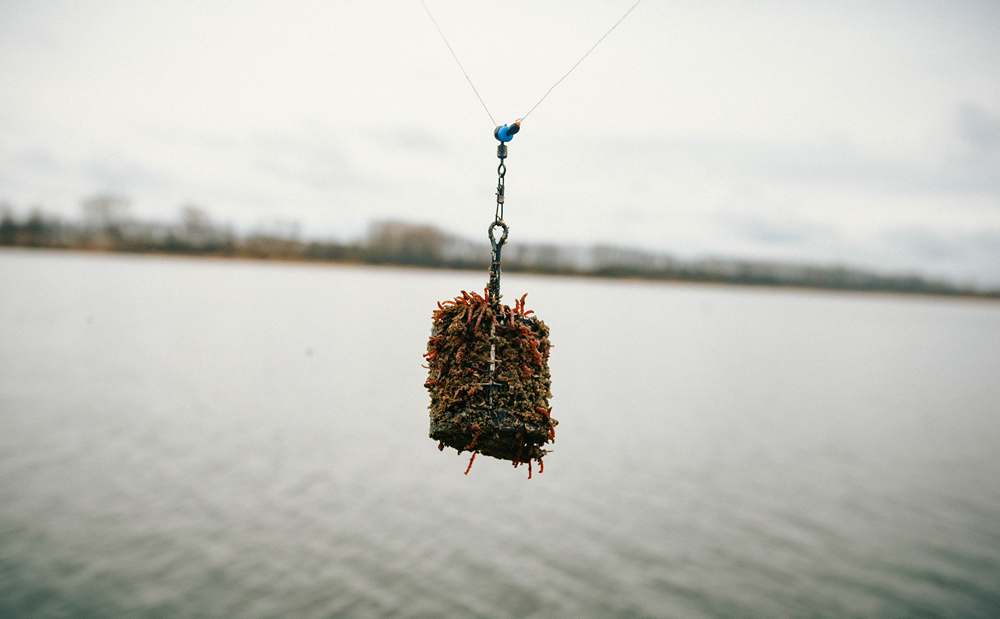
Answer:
(38, 161)
(978, 128)
(325, 169)
(415, 141)
(777, 230)
(828, 162)
(122, 173)
(953, 252)
(925, 244)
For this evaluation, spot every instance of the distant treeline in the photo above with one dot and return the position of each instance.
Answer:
(106, 225)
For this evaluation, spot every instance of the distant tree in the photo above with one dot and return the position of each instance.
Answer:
(105, 212)
(394, 241)
(196, 228)
(36, 228)
(195, 220)
(8, 225)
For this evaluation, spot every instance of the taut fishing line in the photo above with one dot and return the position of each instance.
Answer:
(444, 38)
(488, 363)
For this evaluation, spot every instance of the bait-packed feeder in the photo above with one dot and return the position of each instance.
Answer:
(488, 373)
(489, 379)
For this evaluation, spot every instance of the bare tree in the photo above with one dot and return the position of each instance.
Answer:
(105, 212)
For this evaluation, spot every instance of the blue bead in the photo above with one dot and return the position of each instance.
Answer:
(506, 132)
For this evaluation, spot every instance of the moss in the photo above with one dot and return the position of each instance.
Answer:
(503, 412)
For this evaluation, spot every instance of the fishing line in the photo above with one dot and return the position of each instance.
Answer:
(458, 62)
(552, 87)
(582, 58)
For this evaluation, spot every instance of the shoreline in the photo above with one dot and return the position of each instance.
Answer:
(771, 287)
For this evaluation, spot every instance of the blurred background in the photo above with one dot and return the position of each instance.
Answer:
(766, 239)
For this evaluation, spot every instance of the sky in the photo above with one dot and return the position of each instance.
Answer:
(858, 133)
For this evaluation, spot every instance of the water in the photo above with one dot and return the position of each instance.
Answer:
(213, 438)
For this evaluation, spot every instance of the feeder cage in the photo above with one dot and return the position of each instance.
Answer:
(489, 379)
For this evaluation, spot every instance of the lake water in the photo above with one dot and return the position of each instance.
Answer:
(237, 439)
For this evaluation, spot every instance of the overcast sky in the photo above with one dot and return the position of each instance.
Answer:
(865, 133)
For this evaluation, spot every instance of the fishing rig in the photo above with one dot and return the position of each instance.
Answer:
(488, 373)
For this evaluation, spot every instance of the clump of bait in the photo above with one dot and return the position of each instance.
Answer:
(489, 381)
